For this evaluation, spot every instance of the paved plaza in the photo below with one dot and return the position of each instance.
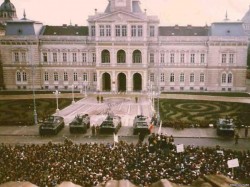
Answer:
(125, 107)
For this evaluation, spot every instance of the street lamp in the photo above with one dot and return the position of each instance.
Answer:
(33, 88)
(56, 94)
(73, 94)
(85, 88)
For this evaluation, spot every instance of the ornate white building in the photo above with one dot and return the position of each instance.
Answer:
(124, 49)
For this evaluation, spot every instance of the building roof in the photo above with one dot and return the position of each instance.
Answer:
(246, 18)
(184, 31)
(227, 28)
(66, 30)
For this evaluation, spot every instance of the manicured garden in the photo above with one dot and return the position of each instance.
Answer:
(192, 113)
(21, 112)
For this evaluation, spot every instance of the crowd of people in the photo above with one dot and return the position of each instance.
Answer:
(91, 164)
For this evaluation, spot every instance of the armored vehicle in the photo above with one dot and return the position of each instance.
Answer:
(140, 125)
(51, 125)
(225, 127)
(111, 124)
(80, 124)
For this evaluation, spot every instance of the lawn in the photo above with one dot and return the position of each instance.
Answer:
(224, 94)
(190, 112)
(21, 112)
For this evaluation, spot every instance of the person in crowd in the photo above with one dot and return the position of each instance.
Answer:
(91, 164)
(246, 131)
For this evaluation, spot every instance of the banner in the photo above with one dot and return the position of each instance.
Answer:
(116, 138)
(233, 163)
(159, 130)
(180, 148)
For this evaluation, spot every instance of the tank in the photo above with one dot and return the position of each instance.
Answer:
(51, 125)
(111, 124)
(140, 125)
(80, 124)
(225, 127)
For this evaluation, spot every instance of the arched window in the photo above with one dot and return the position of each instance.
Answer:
(24, 76)
(230, 78)
(121, 56)
(224, 78)
(105, 56)
(137, 58)
(18, 76)
(202, 77)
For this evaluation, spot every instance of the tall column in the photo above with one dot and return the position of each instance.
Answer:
(113, 82)
(144, 81)
(129, 82)
(99, 80)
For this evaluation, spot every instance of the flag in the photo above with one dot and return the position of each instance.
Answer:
(159, 130)
(116, 138)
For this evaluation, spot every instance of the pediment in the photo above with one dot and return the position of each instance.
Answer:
(121, 17)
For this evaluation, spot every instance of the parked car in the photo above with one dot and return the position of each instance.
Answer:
(225, 127)
(80, 124)
(140, 125)
(51, 125)
(111, 124)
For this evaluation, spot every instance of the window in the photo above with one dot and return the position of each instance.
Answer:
(162, 58)
(172, 77)
(46, 76)
(229, 78)
(140, 31)
(16, 57)
(224, 78)
(152, 77)
(95, 77)
(75, 76)
(224, 58)
(54, 57)
(124, 30)
(105, 56)
(101, 27)
(92, 30)
(65, 76)
(24, 76)
(182, 58)
(162, 77)
(18, 77)
(23, 57)
(108, 30)
(64, 57)
(74, 57)
(182, 77)
(45, 57)
(93, 57)
(151, 31)
(202, 58)
(231, 58)
(56, 77)
(117, 30)
(84, 57)
(137, 56)
(192, 77)
(151, 58)
(121, 56)
(85, 77)
(192, 58)
(172, 58)
(202, 77)
(133, 31)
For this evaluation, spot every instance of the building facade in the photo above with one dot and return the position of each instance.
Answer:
(124, 49)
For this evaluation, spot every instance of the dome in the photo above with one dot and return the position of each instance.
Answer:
(7, 6)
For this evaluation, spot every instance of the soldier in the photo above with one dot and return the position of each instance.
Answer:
(236, 138)
(93, 130)
(246, 131)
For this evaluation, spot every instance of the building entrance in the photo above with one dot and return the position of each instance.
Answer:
(106, 82)
(137, 82)
(122, 82)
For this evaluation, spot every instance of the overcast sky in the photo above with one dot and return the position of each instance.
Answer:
(170, 12)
